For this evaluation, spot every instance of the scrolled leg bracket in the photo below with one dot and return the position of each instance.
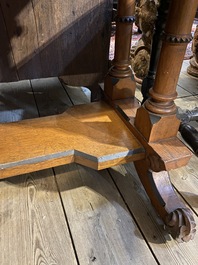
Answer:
(178, 219)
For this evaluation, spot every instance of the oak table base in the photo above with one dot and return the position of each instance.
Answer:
(161, 156)
(101, 135)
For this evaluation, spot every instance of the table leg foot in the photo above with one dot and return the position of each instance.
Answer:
(178, 219)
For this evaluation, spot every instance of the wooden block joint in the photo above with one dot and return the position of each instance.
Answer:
(156, 127)
(119, 88)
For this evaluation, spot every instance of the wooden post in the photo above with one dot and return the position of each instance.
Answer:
(157, 123)
(161, 102)
(176, 37)
(119, 82)
(160, 23)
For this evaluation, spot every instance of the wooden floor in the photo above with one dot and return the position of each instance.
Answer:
(73, 215)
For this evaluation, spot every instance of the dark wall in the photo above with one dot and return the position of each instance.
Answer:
(42, 38)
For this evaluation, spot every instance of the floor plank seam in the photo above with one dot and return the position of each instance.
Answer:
(192, 93)
(63, 86)
(39, 115)
(186, 202)
(66, 219)
(134, 219)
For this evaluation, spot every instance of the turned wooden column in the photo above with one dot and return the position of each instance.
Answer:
(160, 109)
(176, 37)
(160, 23)
(119, 82)
(157, 125)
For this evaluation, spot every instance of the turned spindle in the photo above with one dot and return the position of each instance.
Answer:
(119, 82)
(160, 23)
(175, 39)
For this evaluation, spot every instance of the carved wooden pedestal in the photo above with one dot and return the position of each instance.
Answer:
(160, 106)
(100, 135)
(155, 118)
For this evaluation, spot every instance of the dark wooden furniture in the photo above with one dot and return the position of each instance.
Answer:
(54, 38)
(103, 134)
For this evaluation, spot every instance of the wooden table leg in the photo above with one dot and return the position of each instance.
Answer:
(160, 23)
(156, 120)
(119, 82)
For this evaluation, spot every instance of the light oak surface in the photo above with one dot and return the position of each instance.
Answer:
(90, 134)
